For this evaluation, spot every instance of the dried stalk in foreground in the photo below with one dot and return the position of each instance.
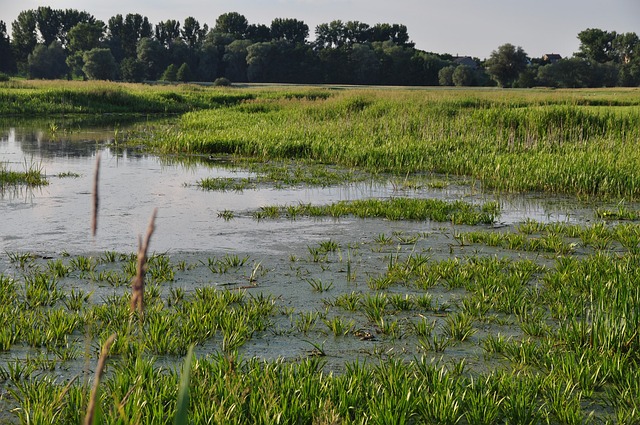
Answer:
(96, 199)
(88, 419)
(137, 286)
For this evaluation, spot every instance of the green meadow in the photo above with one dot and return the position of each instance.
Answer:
(466, 322)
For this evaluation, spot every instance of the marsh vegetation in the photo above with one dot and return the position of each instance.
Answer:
(415, 307)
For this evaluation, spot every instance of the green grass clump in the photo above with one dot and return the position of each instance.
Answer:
(456, 212)
(32, 176)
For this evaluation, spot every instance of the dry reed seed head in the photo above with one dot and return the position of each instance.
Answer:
(96, 198)
(137, 296)
(88, 420)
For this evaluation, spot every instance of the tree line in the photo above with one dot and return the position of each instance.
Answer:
(51, 43)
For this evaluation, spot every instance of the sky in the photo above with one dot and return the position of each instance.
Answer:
(459, 27)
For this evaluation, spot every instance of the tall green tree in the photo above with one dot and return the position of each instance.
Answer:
(445, 75)
(232, 23)
(260, 61)
(365, 64)
(170, 74)
(86, 36)
(463, 76)
(357, 32)
(82, 38)
(291, 30)
(124, 34)
(24, 37)
(70, 18)
(626, 47)
(48, 62)
(235, 60)
(192, 33)
(132, 70)
(597, 45)
(184, 73)
(208, 59)
(258, 33)
(7, 61)
(397, 33)
(49, 24)
(505, 64)
(152, 54)
(331, 35)
(99, 64)
(167, 32)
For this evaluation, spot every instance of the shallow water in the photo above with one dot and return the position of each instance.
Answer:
(56, 217)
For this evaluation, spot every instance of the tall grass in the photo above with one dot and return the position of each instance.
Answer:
(557, 142)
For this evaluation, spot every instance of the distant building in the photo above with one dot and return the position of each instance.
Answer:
(551, 58)
(465, 60)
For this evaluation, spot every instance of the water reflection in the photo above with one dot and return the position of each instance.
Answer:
(57, 217)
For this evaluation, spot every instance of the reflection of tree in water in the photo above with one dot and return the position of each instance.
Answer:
(66, 136)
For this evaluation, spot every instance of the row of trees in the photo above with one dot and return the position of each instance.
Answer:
(54, 43)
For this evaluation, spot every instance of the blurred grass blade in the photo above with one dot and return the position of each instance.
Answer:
(182, 409)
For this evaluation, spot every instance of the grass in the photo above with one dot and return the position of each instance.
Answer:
(456, 212)
(32, 176)
(587, 306)
(536, 323)
(530, 141)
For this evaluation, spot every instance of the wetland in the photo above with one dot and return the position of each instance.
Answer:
(332, 256)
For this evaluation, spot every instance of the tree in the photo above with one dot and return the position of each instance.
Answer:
(366, 65)
(69, 18)
(7, 64)
(184, 73)
(232, 23)
(125, 34)
(396, 33)
(291, 30)
(330, 35)
(396, 63)
(445, 75)
(48, 62)
(597, 45)
(86, 36)
(132, 70)
(99, 64)
(505, 64)
(167, 32)
(151, 53)
(207, 58)
(235, 60)
(462, 76)
(258, 33)
(49, 24)
(357, 32)
(170, 74)
(192, 33)
(259, 61)
(179, 53)
(578, 72)
(626, 47)
(24, 37)
(427, 66)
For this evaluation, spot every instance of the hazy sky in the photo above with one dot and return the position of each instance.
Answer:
(464, 27)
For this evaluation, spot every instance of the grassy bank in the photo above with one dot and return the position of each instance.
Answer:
(38, 98)
(583, 143)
